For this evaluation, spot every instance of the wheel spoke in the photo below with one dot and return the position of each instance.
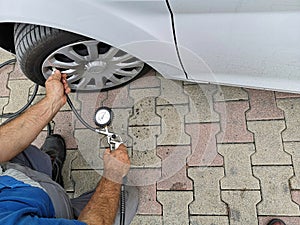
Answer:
(59, 64)
(92, 48)
(122, 58)
(70, 53)
(110, 54)
(126, 73)
(130, 64)
(83, 82)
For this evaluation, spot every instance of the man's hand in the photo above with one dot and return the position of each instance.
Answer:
(56, 89)
(116, 164)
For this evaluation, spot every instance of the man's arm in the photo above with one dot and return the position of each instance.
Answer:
(102, 207)
(18, 134)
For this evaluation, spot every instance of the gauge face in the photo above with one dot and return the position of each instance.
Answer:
(103, 116)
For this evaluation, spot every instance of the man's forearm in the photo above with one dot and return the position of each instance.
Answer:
(102, 207)
(18, 134)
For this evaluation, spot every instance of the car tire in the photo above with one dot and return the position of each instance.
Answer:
(34, 43)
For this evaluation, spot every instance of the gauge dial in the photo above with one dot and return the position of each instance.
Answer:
(103, 116)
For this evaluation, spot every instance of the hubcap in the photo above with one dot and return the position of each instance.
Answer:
(93, 65)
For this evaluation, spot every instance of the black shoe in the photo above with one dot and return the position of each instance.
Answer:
(55, 147)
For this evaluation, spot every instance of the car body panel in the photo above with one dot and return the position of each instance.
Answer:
(141, 28)
(243, 43)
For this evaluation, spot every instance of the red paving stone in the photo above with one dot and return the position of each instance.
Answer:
(147, 201)
(233, 122)
(296, 196)
(4, 91)
(118, 98)
(64, 125)
(147, 81)
(145, 180)
(174, 174)
(204, 149)
(263, 106)
(286, 95)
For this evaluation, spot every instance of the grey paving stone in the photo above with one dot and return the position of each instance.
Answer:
(291, 108)
(209, 220)
(173, 132)
(5, 55)
(238, 167)
(201, 103)
(144, 107)
(226, 93)
(175, 206)
(5, 71)
(19, 91)
(89, 147)
(276, 195)
(119, 124)
(242, 206)
(268, 143)
(144, 146)
(294, 149)
(171, 93)
(207, 191)
(86, 180)
(146, 220)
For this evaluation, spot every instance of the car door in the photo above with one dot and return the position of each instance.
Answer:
(246, 43)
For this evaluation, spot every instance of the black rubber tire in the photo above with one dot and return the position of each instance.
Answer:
(34, 43)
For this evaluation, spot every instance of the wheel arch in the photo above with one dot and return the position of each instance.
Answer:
(127, 25)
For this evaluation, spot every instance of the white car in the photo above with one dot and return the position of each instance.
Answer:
(102, 44)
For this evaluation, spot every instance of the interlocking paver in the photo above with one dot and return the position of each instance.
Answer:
(174, 174)
(118, 98)
(171, 93)
(175, 206)
(238, 174)
(291, 108)
(4, 91)
(286, 95)
(201, 103)
(19, 92)
(207, 191)
(204, 149)
(17, 74)
(146, 220)
(226, 93)
(172, 125)
(268, 143)
(263, 106)
(5, 55)
(233, 122)
(145, 180)
(276, 197)
(242, 206)
(144, 107)
(89, 147)
(65, 127)
(85, 181)
(293, 149)
(209, 220)
(144, 146)
(148, 80)
(147, 201)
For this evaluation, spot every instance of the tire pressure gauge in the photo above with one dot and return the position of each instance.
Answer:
(103, 116)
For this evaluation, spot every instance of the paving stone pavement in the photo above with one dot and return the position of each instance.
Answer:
(201, 154)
